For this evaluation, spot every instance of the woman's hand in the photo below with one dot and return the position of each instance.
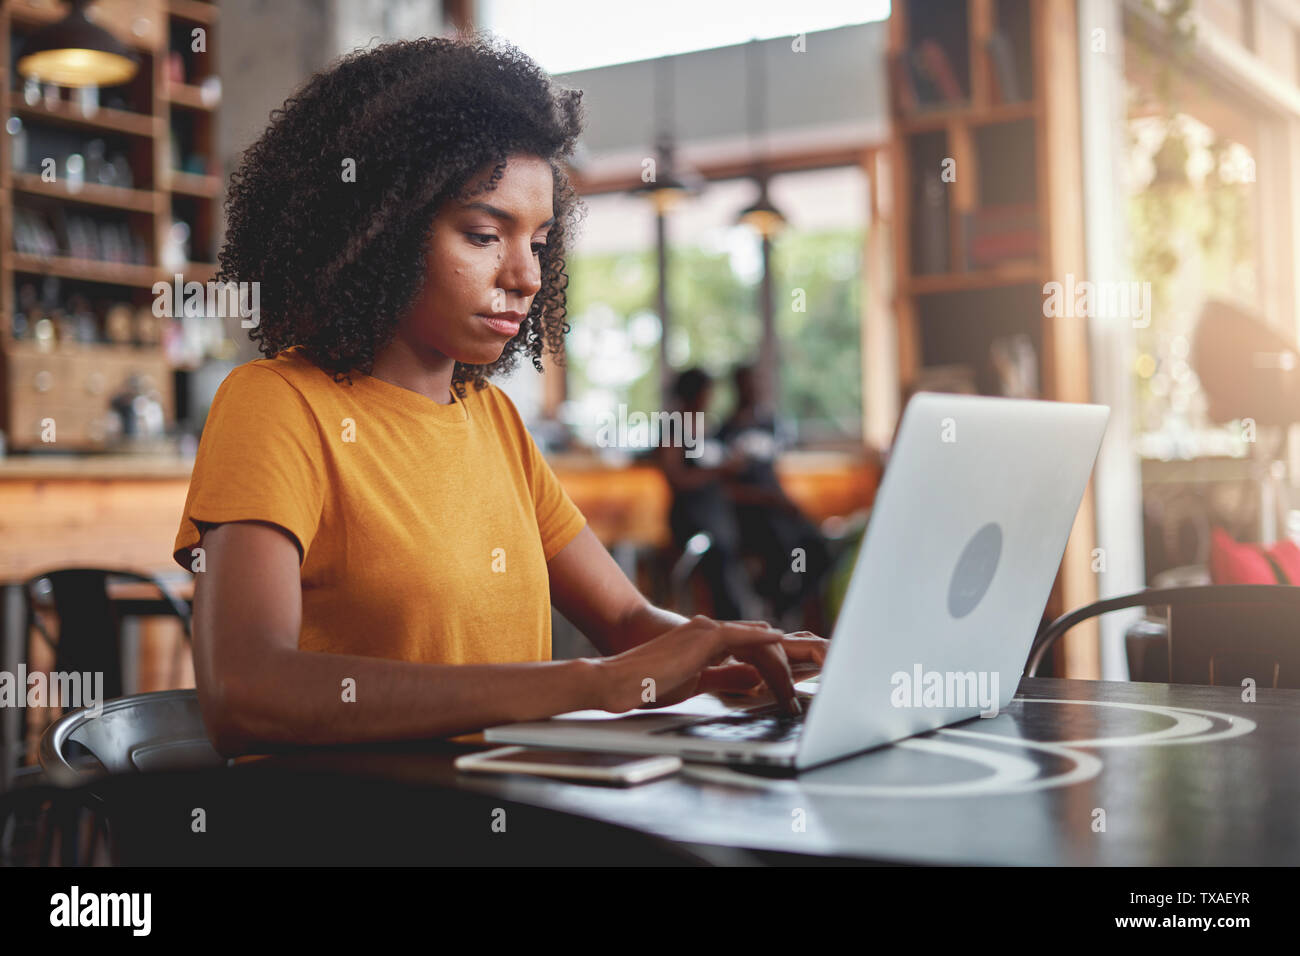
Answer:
(805, 651)
(707, 655)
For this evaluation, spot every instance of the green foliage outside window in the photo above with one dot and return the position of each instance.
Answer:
(614, 347)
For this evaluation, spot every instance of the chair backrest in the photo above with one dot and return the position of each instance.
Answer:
(682, 575)
(1223, 644)
(89, 623)
(1223, 633)
(156, 731)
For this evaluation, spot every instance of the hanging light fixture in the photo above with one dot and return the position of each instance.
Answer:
(673, 182)
(669, 188)
(762, 216)
(75, 52)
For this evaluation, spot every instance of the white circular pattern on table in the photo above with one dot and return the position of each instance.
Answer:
(1011, 773)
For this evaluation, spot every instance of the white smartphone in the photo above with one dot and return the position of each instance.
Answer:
(621, 769)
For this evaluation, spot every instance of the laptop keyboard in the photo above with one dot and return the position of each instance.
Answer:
(769, 726)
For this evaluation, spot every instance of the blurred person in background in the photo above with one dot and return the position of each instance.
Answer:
(771, 525)
(701, 503)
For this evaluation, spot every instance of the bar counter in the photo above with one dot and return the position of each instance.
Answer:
(123, 510)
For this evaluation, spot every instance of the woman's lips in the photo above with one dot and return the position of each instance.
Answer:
(508, 327)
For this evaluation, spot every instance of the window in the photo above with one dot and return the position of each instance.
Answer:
(821, 253)
(715, 272)
(1194, 229)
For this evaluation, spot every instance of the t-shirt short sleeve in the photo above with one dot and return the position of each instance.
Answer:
(259, 459)
(558, 518)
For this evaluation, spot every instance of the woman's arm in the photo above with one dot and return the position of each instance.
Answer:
(257, 691)
(592, 592)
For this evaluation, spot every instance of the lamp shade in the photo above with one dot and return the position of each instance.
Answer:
(1247, 368)
(75, 52)
(665, 193)
(763, 217)
(673, 183)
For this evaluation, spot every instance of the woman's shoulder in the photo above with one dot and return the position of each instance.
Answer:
(293, 366)
(287, 384)
(260, 404)
(286, 377)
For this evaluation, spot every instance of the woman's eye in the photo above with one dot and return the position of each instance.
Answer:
(483, 238)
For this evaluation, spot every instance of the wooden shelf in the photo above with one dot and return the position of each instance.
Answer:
(195, 272)
(104, 349)
(165, 121)
(192, 184)
(201, 271)
(926, 121)
(188, 96)
(1019, 273)
(131, 275)
(194, 11)
(104, 119)
(952, 318)
(92, 194)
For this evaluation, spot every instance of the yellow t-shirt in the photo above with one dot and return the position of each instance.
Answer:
(423, 529)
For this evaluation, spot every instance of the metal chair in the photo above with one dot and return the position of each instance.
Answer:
(844, 537)
(680, 587)
(259, 814)
(144, 732)
(162, 730)
(1224, 633)
(90, 621)
(281, 815)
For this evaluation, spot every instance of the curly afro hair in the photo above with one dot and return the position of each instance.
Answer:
(339, 262)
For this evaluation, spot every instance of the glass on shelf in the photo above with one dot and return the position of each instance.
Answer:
(18, 147)
(88, 100)
(210, 91)
(74, 172)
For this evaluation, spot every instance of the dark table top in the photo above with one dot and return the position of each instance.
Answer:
(1072, 773)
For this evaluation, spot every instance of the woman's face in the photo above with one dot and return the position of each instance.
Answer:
(484, 259)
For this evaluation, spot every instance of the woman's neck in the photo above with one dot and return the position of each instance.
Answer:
(429, 375)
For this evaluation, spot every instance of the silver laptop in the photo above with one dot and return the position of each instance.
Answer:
(965, 539)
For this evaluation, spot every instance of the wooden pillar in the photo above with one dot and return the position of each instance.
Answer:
(1065, 338)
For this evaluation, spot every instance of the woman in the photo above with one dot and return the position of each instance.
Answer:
(376, 545)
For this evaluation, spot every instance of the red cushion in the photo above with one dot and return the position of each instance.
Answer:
(1232, 562)
(1287, 554)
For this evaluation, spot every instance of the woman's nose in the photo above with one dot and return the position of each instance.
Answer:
(521, 271)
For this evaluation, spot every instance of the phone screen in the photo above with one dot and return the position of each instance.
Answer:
(567, 758)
